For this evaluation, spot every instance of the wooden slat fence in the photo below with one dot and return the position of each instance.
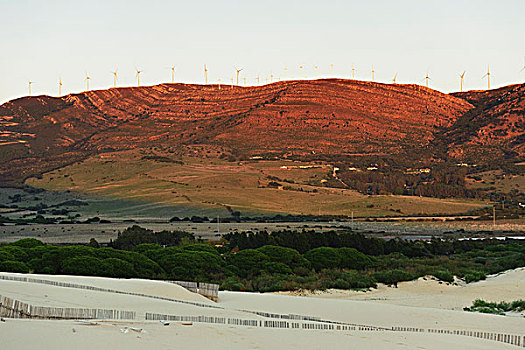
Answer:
(209, 290)
(511, 339)
(11, 308)
(14, 308)
(93, 288)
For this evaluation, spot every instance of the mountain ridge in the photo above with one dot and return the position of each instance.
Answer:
(302, 117)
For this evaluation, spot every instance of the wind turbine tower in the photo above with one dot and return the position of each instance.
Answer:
(300, 71)
(373, 73)
(332, 70)
(138, 77)
(427, 78)
(219, 83)
(488, 77)
(285, 73)
(461, 76)
(59, 86)
(316, 69)
(257, 80)
(30, 82)
(114, 78)
(172, 74)
(395, 77)
(87, 81)
(353, 73)
(205, 75)
(238, 70)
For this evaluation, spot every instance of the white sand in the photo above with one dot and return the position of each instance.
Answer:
(507, 286)
(37, 334)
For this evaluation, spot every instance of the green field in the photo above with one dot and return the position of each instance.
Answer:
(129, 181)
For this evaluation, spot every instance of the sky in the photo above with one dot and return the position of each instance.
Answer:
(41, 41)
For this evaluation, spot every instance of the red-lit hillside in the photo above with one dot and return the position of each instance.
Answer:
(302, 117)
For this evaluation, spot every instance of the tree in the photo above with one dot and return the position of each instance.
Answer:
(323, 258)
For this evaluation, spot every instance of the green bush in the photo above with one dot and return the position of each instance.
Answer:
(350, 258)
(84, 266)
(393, 276)
(5, 255)
(247, 262)
(27, 243)
(13, 266)
(119, 268)
(232, 283)
(288, 256)
(192, 266)
(444, 275)
(323, 258)
(474, 276)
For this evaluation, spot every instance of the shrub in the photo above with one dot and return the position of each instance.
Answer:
(27, 243)
(393, 276)
(13, 266)
(323, 258)
(444, 275)
(474, 276)
(352, 259)
(288, 256)
(248, 262)
(84, 266)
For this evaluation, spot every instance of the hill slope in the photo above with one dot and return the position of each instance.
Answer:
(494, 129)
(323, 116)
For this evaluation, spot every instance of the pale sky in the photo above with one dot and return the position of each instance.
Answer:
(42, 40)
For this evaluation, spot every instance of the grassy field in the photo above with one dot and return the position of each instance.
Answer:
(217, 186)
(497, 179)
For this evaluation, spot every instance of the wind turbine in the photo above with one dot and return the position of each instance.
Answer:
(373, 72)
(332, 70)
(316, 68)
(219, 83)
(285, 73)
(30, 82)
(271, 78)
(353, 72)
(138, 76)
(300, 71)
(205, 75)
(172, 74)
(257, 80)
(426, 78)
(244, 81)
(488, 77)
(232, 82)
(87, 81)
(461, 76)
(115, 78)
(395, 77)
(238, 70)
(59, 86)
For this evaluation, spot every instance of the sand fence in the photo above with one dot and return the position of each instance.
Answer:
(209, 290)
(16, 309)
(107, 290)
(318, 324)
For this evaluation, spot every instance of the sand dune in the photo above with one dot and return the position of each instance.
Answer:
(428, 292)
(142, 334)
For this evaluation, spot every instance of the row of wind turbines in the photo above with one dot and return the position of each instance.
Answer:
(271, 80)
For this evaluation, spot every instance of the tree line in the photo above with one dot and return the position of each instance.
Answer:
(283, 260)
